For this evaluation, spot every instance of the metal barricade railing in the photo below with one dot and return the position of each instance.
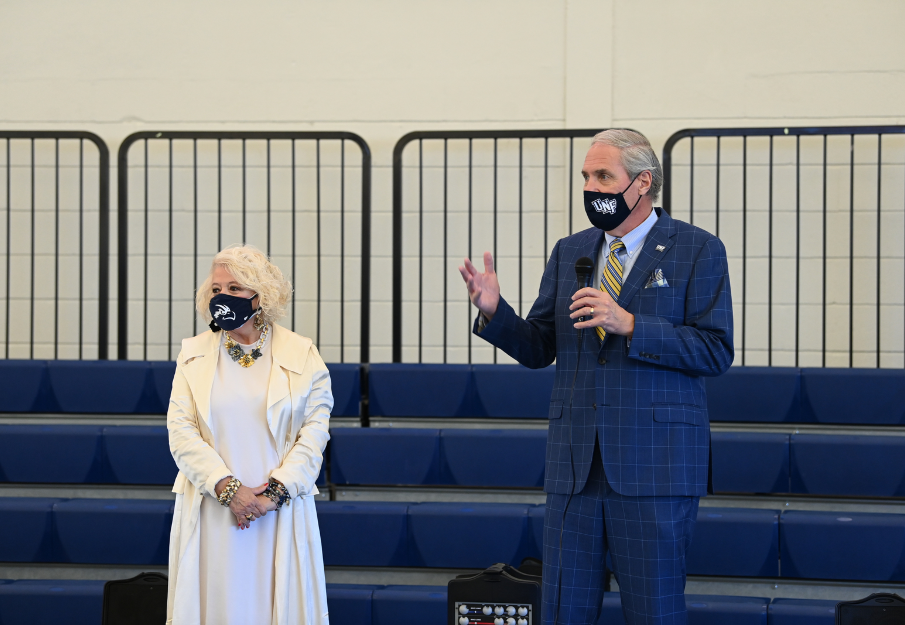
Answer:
(512, 192)
(813, 221)
(55, 190)
(297, 196)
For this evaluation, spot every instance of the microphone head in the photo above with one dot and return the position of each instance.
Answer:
(584, 267)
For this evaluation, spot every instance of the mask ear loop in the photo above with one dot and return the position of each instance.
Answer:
(258, 310)
(640, 195)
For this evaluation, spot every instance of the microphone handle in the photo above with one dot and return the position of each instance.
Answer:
(587, 283)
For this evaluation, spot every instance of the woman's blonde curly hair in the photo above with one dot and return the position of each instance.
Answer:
(252, 270)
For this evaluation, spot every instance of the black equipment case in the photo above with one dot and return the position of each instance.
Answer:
(501, 595)
(141, 600)
(880, 608)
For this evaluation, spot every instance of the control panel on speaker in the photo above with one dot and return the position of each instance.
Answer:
(478, 613)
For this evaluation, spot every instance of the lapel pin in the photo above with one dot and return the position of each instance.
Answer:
(660, 248)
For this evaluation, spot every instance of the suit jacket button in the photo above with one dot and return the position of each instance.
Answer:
(594, 406)
(601, 361)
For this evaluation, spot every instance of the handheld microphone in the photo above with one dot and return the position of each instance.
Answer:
(584, 267)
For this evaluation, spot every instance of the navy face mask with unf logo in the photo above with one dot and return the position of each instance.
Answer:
(608, 210)
(230, 312)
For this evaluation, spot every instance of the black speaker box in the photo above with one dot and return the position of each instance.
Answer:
(141, 600)
(502, 595)
(881, 608)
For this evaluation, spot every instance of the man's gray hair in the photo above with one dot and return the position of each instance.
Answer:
(637, 155)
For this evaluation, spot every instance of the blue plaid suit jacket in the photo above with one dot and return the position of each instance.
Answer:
(645, 401)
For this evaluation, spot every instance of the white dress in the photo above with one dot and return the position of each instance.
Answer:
(237, 566)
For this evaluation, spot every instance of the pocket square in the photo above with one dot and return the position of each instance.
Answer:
(656, 280)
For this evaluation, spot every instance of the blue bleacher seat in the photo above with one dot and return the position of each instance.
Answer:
(112, 531)
(409, 605)
(735, 541)
(350, 604)
(385, 456)
(720, 610)
(514, 391)
(501, 458)
(475, 535)
(702, 610)
(750, 462)
(102, 386)
(28, 536)
(139, 454)
(67, 454)
(802, 612)
(364, 534)
(24, 387)
(862, 396)
(863, 466)
(746, 394)
(843, 545)
(162, 373)
(399, 390)
(345, 380)
(536, 531)
(756, 394)
(49, 602)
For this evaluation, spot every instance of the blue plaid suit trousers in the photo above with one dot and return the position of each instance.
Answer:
(646, 539)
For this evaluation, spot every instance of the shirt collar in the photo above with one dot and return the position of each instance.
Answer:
(634, 239)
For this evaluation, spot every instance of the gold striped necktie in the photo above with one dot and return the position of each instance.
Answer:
(611, 281)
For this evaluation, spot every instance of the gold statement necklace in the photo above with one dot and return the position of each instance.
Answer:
(238, 354)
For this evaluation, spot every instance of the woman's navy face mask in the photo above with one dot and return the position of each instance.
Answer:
(230, 312)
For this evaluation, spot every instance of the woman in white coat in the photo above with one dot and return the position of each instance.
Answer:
(247, 425)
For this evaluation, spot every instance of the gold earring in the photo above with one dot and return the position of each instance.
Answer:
(259, 321)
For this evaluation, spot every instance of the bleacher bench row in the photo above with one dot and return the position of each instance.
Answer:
(727, 541)
(747, 394)
(744, 462)
(38, 602)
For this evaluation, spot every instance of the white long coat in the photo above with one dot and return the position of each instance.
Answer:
(299, 401)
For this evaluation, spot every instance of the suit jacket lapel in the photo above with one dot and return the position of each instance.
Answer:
(202, 353)
(661, 234)
(290, 351)
(588, 245)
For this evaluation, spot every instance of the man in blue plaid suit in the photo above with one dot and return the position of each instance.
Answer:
(628, 446)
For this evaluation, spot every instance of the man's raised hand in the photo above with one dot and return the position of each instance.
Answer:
(483, 288)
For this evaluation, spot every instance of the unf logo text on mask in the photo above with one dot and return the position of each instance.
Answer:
(607, 210)
(605, 206)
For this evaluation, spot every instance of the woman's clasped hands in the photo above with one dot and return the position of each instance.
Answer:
(248, 504)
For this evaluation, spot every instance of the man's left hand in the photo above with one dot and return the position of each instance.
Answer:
(599, 310)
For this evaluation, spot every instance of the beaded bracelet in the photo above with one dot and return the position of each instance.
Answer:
(229, 491)
(276, 492)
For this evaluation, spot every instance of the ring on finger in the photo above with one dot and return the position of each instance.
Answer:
(249, 516)
(592, 312)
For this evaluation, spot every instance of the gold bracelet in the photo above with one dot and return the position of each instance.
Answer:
(229, 491)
